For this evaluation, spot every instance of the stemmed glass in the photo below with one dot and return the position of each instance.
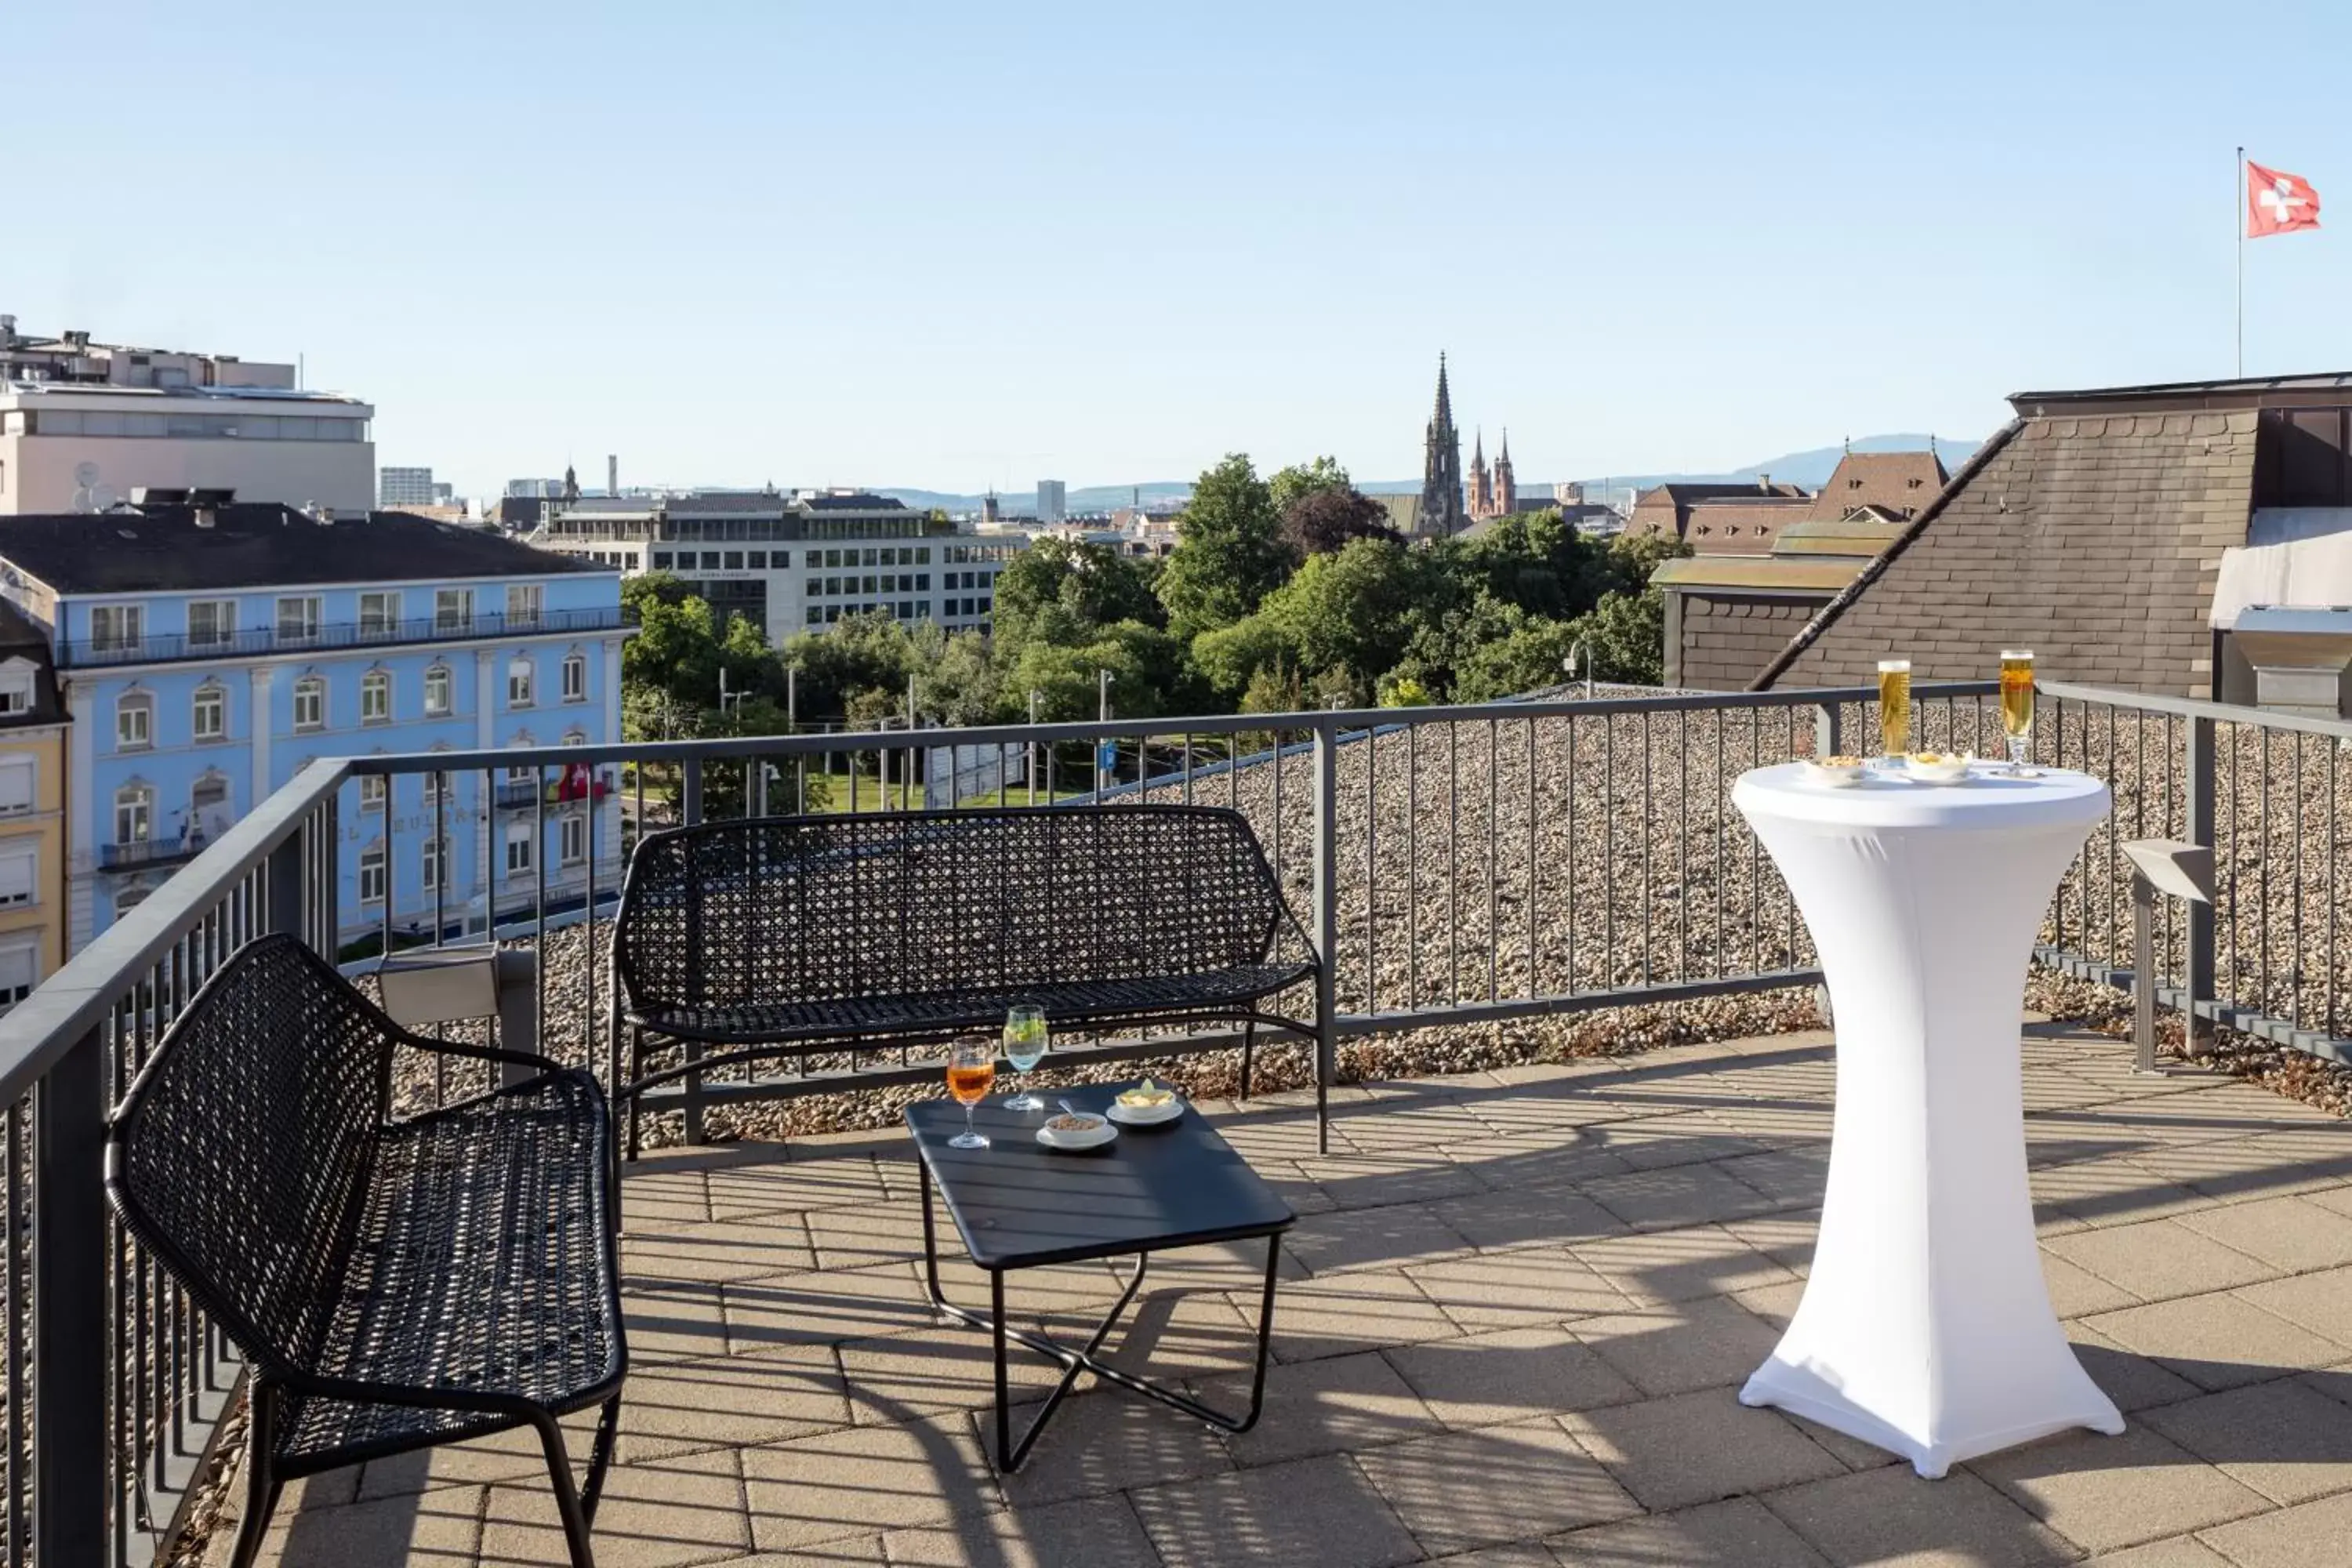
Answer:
(1024, 1047)
(2017, 703)
(972, 1070)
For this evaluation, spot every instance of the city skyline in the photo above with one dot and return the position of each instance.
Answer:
(1698, 257)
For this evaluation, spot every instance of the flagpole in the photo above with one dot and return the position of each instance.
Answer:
(2239, 221)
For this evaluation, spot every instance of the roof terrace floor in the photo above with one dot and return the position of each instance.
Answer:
(1518, 1308)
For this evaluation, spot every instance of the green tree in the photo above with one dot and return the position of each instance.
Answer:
(675, 652)
(1524, 659)
(1066, 591)
(1229, 659)
(1355, 609)
(1289, 485)
(1628, 632)
(1229, 552)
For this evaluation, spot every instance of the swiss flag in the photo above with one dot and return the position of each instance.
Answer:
(2278, 203)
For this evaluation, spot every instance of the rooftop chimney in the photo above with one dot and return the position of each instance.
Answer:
(1764, 483)
(612, 473)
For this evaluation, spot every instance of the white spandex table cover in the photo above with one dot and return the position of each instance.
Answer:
(1925, 1327)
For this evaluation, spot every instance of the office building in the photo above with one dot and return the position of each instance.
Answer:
(1053, 501)
(793, 560)
(85, 424)
(208, 651)
(405, 487)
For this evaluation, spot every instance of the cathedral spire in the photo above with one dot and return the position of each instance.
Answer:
(1478, 449)
(1440, 510)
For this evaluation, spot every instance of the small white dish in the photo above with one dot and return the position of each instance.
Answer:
(1947, 768)
(1835, 774)
(1145, 1116)
(1095, 1137)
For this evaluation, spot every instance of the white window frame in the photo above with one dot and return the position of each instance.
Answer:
(571, 838)
(223, 630)
(17, 691)
(522, 681)
(436, 849)
(372, 790)
(380, 613)
(442, 676)
(118, 628)
(134, 721)
(453, 610)
(375, 867)
(29, 893)
(520, 848)
(526, 604)
(314, 689)
(210, 696)
(13, 801)
(138, 801)
(575, 678)
(303, 625)
(375, 697)
(14, 990)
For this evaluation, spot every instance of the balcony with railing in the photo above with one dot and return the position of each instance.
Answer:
(1530, 1273)
(174, 648)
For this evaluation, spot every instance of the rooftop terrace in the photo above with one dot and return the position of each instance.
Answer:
(1516, 1310)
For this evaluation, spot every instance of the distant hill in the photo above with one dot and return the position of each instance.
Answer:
(1810, 468)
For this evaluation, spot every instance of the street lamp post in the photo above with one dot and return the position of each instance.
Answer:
(1103, 678)
(1031, 766)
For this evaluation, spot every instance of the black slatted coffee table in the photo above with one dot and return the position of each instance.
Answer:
(1020, 1206)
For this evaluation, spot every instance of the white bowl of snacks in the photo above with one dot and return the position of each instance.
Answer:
(1075, 1129)
(1938, 767)
(1837, 772)
(1146, 1104)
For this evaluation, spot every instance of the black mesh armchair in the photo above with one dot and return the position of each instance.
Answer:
(793, 935)
(392, 1283)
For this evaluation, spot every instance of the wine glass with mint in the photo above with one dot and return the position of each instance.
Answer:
(1025, 1040)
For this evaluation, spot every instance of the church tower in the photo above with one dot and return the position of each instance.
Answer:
(1482, 491)
(1504, 492)
(1439, 512)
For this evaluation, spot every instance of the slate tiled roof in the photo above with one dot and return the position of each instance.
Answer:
(1745, 524)
(251, 545)
(2092, 539)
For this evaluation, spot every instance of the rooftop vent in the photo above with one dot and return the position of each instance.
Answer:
(158, 495)
(204, 496)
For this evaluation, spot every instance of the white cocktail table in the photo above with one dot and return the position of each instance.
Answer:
(1925, 1327)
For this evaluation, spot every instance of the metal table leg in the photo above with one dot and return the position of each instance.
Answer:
(1011, 1452)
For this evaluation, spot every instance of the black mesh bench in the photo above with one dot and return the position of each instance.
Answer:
(799, 936)
(393, 1284)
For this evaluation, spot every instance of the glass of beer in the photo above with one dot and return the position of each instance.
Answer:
(2017, 703)
(1024, 1047)
(1894, 707)
(971, 1071)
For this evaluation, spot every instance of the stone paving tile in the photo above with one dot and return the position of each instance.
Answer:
(1690, 1138)
(1542, 1215)
(440, 1529)
(1372, 1238)
(952, 1367)
(2110, 1190)
(1343, 1313)
(1509, 1375)
(2271, 1164)
(1789, 1177)
(2310, 1535)
(1099, 1533)
(1383, 1180)
(1168, 1334)
(1737, 1533)
(1516, 1290)
(2285, 1439)
(1776, 1304)
(1890, 1516)
(720, 1249)
(1786, 1238)
(2321, 1302)
(1309, 1513)
(1682, 1347)
(2220, 1341)
(2159, 1259)
(2132, 1381)
(2180, 1551)
(1680, 1265)
(825, 1307)
(769, 1186)
(1496, 1484)
(2103, 1493)
(1518, 1554)
(863, 1480)
(672, 1319)
(1697, 1447)
(1105, 1441)
(2075, 1290)
(679, 1406)
(2296, 1235)
(665, 1514)
(1675, 1197)
(1339, 1405)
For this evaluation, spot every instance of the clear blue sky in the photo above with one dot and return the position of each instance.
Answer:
(962, 245)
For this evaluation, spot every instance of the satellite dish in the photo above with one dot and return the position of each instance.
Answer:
(83, 501)
(103, 498)
(85, 474)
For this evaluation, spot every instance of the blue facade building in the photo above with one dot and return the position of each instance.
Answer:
(207, 652)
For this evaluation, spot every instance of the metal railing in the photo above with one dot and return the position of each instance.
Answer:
(1462, 866)
(173, 647)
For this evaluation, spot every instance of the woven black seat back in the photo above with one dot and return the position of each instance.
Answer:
(810, 907)
(238, 1155)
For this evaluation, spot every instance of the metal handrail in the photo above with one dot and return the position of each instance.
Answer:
(171, 647)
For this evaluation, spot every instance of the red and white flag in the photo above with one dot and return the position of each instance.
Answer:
(2277, 203)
